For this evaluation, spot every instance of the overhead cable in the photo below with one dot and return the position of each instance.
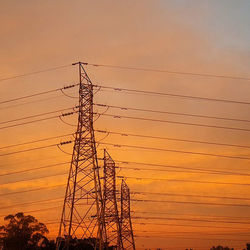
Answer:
(191, 195)
(35, 72)
(174, 122)
(176, 151)
(192, 203)
(200, 98)
(167, 71)
(183, 180)
(170, 138)
(171, 113)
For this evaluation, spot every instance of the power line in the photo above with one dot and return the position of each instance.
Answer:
(244, 233)
(167, 71)
(125, 162)
(170, 218)
(176, 151)
(28, 96)
(30, 149)
(140, 178)
(35, 72)
(181, 180)
(171, 139)
(134, 109)
(174, 122)
(33, 160)
(193, 170)
(171, 95)
(37, 210)
(187, 225)
(30, 102)
(126, 117)
(48, 166)
(137, 200)
(39, 140)
(136, 192)
(179, 171)
(134, 146)
(34, 169)
(181, 214)
(132, 68)
(37, 148)
(32, 202)
(37, 115)
(130, 90)
(193, 220)
(34, 121)
(200, 170)
(39, 93)
(180, 167)
(63, 163)
(35, 178)
(193, 203)
(152, 169)
(134, 135)
(31, 190)
(38, 120)
(192, 195)
(187, 238)
(171, 113)
(183, 171)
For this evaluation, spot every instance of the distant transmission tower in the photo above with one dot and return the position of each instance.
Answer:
(81, 214)
(112, 234)
(126, 223)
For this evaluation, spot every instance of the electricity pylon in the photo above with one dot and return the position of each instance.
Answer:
(81, 214)
(112, 233)
(126, 223)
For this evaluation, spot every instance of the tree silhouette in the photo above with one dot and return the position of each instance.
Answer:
(221, 248)
(248, 246)
(86, 244)
(23, 232)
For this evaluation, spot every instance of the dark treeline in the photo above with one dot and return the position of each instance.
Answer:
(229, 248)
(25, 232)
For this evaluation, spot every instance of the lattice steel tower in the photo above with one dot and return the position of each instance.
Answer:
(81, 214)
(126, 223)
(112, 228)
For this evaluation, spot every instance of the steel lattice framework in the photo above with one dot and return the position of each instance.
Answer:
(126, 223)
(81, 214)
(112, 233)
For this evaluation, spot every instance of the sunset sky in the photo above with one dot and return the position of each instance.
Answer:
(199, 36)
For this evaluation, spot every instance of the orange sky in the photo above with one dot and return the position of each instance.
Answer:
(190, 36)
